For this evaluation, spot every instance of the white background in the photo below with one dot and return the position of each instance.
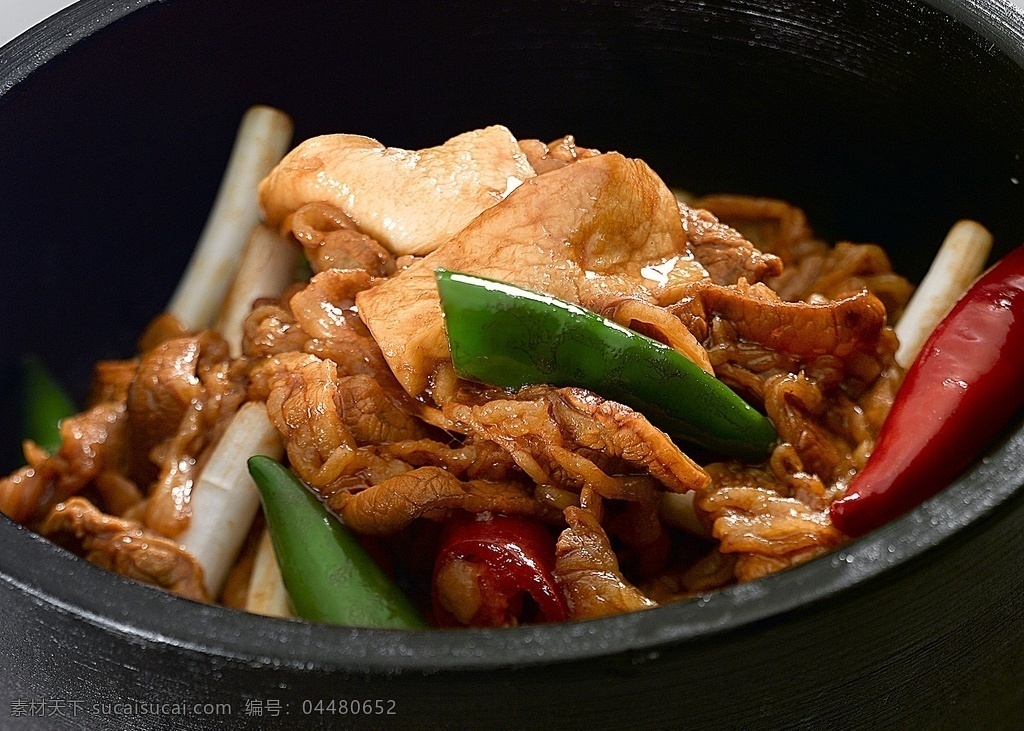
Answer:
(17, 16)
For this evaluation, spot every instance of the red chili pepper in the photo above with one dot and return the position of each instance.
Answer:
(961, 391)
(486, 569)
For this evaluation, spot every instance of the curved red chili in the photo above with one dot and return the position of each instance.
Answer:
(957, 396)
(486, 569)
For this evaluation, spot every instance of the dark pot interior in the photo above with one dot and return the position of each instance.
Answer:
(886, 121)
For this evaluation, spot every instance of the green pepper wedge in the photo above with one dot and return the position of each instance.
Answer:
(45, 405)
(510, 337)
(329, 577)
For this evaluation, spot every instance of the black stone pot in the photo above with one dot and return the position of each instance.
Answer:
(885, 119)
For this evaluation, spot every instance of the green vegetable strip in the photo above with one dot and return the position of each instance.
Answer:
(329, 577)
(45, 405)
(510, 337)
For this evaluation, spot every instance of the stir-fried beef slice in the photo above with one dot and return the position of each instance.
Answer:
(91, 444)
(320, 319)
(474, 459)
(371, 415)
(325, 419)
(302, 405)
(125, 547)
(411, 201)
(773, 226)
(750, 566)
(431, 492)
(111, 380)
(576, 232)
(808, 363)
(271, 329)
(844, 328)
(572, 438)
(164, 326)
(587, 570)
(164, 386)
(331, 241)
(597, 426)
(812, 268)
(327, 303)
(843, 271)
(544, 158)
(753, 514)
(325, 309)
(653, 321)
(827, 431)
(750, 335)
(727, 256)
(216, 386)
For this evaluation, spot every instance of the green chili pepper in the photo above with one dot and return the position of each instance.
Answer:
(329, 577)
(45, 405)
(510, 337)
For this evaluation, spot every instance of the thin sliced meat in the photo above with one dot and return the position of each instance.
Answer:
(216, 386)
(570, 437)
(587, 571)
(159, 396)
(474, 459)
(653, 321)
(844, 328)
(325, 419)
(126, 548)
(544, 158)
(410, 201)
(386, 508)
(812, 268)
(753, 515)
(773, 226)
(724, 253)
(331, 241)
(91, 444)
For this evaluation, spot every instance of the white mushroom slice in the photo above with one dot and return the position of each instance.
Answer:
(410, 201)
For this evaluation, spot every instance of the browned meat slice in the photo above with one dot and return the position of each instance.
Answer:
(825, 431)
(474, 459)
(544, 158)
(271, 329)
(164, 386)
(773, 226)
(91, 444)
(331, 241)
(409, 201)
(845, 270)
(587, 570)
(432, 492)
(811, 267)
(320, 319)
(753, 515)
(571, 438)
(125, 547)
(164, 326)
(726, 255)
(584, 229)
(843, 328)
(371, 415)
(184, 394)
(653, 321)
(325, 419)
(111, 380)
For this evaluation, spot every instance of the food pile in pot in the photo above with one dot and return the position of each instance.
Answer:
(502, 381)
